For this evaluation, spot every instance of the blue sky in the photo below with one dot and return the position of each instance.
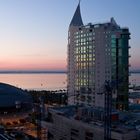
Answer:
(33, 33)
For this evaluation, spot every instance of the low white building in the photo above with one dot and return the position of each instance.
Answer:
(68, 123)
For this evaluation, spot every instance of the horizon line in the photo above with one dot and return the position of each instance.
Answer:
(31, 71)
(43, 71)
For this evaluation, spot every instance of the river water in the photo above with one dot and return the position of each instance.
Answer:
(47, 81)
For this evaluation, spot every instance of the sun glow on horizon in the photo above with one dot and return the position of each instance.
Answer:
(33, 65)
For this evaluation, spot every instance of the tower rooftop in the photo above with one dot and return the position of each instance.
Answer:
(77, 19)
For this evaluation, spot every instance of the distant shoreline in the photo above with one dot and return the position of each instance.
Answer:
(47, 72)
(33, 72)
(135, 72)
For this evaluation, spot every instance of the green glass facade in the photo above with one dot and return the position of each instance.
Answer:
(120, 67)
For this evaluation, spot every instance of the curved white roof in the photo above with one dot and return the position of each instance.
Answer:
(9, 95)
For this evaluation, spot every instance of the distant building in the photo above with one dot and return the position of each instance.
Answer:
(97, 53)
(134, 97)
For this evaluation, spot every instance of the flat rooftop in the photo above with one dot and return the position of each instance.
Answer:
(126, 122)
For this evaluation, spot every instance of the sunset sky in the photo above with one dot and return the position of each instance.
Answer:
(33, 33)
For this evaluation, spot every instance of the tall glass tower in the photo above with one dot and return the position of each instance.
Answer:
(97, 53)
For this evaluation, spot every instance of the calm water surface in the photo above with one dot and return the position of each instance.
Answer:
(36, 81)
(47, 81)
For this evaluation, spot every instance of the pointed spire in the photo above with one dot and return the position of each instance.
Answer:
(77, 19)
(113, 21)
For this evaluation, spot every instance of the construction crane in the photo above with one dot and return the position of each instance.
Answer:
(109, 87)
(108, 110)
(40, 117)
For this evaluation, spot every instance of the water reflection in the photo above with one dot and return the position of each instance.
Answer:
(35, 81)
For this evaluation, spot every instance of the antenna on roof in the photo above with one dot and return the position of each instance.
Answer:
(79, 1)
